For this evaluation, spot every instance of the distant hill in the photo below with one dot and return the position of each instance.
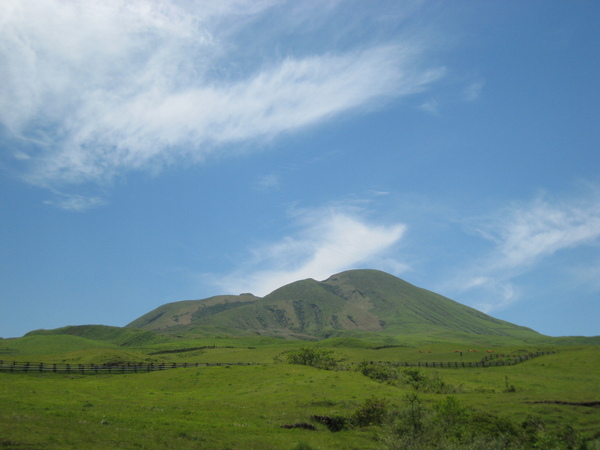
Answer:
(113, 335)
(350, 302)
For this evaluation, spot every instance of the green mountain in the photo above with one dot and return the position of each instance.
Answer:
(345, 304)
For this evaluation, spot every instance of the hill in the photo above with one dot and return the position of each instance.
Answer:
(102, 333)
(345, 304)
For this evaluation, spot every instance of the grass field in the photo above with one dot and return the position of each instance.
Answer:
(244, 407)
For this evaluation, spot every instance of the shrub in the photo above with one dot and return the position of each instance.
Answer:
(378, 371)
(448, 424)
(423, 383)
(372, 412)
(310, 356)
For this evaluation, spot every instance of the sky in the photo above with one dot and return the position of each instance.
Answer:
(153, 151)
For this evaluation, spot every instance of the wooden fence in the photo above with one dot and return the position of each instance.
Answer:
(491, 360)
(28, 367)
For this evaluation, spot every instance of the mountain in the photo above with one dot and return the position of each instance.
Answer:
(349, 303)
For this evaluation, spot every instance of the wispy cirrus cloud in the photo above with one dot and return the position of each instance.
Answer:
(473, 90)
(528, 232)
(328, 241)
(524, 235)
(101, 88)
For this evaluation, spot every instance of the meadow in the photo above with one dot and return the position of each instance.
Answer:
(247, 407)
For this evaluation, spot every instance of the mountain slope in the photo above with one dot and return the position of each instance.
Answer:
(352, 301)
(102, 333)
(180, 314)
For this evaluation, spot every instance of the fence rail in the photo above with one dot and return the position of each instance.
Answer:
(28, 367)
(493, 360)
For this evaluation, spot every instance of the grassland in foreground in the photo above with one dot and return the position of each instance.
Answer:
(244, 407)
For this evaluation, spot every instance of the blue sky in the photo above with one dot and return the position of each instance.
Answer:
(156, 151)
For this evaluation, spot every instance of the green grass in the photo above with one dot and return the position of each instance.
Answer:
(244, 407)
(215, 407)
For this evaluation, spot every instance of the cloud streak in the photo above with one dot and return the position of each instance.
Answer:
(101, 88)
(329, 241)
(525, 235)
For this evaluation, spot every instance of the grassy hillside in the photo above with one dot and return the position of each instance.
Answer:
(114, 335)
(349, 304)
(41, 345)
(180, 314)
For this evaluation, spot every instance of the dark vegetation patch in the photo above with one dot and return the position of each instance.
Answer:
(189, 349)
(215, 309)
(559, 402)
(299, 310)
(381, 347)
(303, 425)
(317, 314)
(280, 317)
(333, 423)
(158, 316)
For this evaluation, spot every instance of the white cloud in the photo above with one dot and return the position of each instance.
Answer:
(492, 293)
(329, 241)
(537, 230)
(75, 202)
(525, 235)
(105, 87)
(269, 182)
(473, 91)
(431, 106)
(587, 274)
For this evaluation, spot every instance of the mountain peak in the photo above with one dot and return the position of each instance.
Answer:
(359, 300)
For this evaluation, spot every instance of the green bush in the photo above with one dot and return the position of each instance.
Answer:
(378, 371)
(450, 425)
(310, 356)
(372, 412)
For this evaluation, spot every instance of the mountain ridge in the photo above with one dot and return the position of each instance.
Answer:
(362, 300)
